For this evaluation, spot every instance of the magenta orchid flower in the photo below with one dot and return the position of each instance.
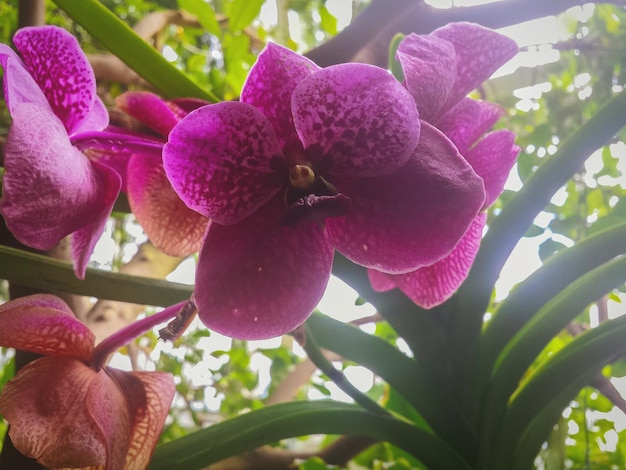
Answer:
(472, 53)
(69, 410)
(169, 223)
(312, 160)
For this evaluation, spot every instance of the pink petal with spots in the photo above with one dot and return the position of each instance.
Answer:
(159, 390)
(411, 218)
(257, 279)
(169, 223)
(224, 161)
(270, 84)
(44, 324)
(468, 121)
(49, 421)
(356, 120)
(148, 108)
(479, 53)
(50, 189)
(492, 158)
(433, 285)
(428, 64)
(19, 86)
(56, 62)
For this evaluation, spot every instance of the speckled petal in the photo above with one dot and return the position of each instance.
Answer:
(169, 223)
(468, 121)
(355, 119)
(414, 217)
(432, 285)
(50, 189)
(148, 108)
(55, 60)
(492, 158)
(479, 53)
(259, 280)
(270, 84)
(44, 324)
(19, 86)
(45, 407)
(428, 64)
(224, 161)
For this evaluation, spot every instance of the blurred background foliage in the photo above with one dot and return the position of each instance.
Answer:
(216, 42)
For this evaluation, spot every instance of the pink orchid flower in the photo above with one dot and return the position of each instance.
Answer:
(68, 409)
(50, 188)
(440, 69)
(309, 161)
(169, 223)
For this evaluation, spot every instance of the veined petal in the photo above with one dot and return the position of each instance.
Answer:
(45, 407)
(432, 285)
(428, 64)
(469, 120)
(355, 119)
(224, 161)
(414, 217)
(257, 279)
(56, 62)
(50, 189)
(270, 84)
(44, 324)
(159, 390)
(169, 223)
(148, 108)
(19, 86)
(492, 158)
(479, 53)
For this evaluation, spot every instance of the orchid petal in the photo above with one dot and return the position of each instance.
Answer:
(48, 417)
(432, 285)
(469, 120)
(174, 228)
(159, 390)
(106, 402)
(224, 161)
(50, 189)
(479, 53)
(492, 158)
(44, 324)
(55, 60)
(148, 108)
(257, 279)
(382, 282)
(270, 84)
(428, 64)
(19, 86)
(355, 119)
(414, 217)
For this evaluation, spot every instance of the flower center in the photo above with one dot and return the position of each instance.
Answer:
(301, 177)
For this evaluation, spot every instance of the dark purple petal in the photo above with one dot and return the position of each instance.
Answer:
(355, 120)
(149, 109)
(171, 226)
(19, 86)
(428, 64)
(258, 280)
(432, 285)
(479, 53)
(270, 84)
(50, 189)
(414, 217)
(492, 158)
(224, 161)
(469, 120)
(54, 59)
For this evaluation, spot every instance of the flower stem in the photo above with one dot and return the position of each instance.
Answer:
(316, 355)
(124, 336)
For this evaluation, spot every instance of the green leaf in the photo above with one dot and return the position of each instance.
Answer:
(328, 21)
(42, 272)
(205, 14)
(394, 64)
(122, 41)
(273, 423)
(242, 12)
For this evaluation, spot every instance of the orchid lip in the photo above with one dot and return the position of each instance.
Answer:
(116, 142)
